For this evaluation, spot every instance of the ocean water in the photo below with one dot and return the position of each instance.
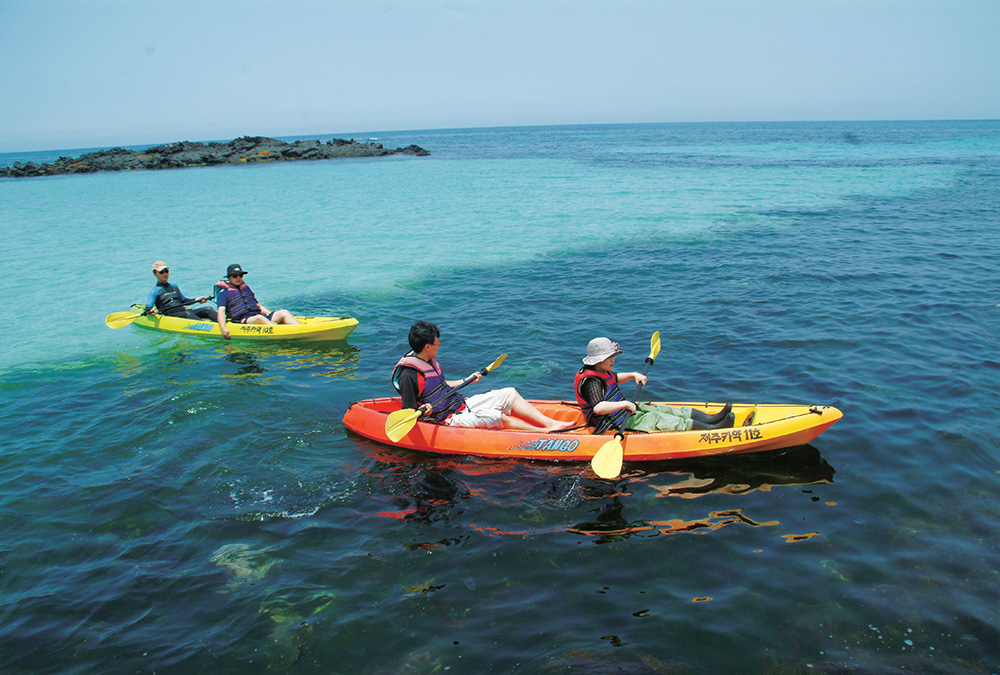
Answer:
(171, 505)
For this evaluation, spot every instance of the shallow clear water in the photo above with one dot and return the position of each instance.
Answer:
(172, 505)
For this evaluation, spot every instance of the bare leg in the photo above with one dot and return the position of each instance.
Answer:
(525, 410)
(510, 422)
(259, 318)
(284, 316)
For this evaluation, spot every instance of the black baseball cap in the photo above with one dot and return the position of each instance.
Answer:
(234, 269)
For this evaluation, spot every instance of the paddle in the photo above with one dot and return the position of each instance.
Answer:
(399, 423)
(118, 320)
(607, 463)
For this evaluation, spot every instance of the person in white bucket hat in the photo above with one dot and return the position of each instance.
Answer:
(604, 404)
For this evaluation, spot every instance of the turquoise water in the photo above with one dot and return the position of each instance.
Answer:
(171, 505)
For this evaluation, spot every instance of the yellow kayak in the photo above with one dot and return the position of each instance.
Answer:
(310, 328)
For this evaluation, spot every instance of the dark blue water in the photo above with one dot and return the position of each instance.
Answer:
(170, 505)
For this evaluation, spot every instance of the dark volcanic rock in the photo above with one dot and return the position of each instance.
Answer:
(245, 150)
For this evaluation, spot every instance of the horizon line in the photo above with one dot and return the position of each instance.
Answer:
(370, 133)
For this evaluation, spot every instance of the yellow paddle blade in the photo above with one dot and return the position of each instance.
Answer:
(120, 319)
(607, 463)
(654, 346)
(400, 422)
(496, 363)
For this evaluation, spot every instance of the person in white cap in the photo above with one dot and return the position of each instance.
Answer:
(604, 404)
(166, 298)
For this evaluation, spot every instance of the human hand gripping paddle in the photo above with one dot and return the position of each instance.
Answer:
(607, 463)
(400, 422)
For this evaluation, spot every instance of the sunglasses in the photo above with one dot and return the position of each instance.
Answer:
(236, 276)
(163, 271)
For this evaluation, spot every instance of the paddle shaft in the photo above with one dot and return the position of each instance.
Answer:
(483, 373)
(469, 380)
(638, 388)
(607, 462)
(399, 423)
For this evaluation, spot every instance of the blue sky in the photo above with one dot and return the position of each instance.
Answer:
(85, 73)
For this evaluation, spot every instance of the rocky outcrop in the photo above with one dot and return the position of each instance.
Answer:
(245, 150)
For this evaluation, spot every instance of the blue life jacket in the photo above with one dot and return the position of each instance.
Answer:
(601, 423)
(433, 389)
(240, 306)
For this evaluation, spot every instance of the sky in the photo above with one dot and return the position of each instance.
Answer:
(96, 73)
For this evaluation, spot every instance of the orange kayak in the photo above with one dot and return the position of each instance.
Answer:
(759, 427)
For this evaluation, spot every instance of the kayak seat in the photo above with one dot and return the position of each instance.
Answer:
(572, 416)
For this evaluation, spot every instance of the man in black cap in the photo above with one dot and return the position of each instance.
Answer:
(237, 303)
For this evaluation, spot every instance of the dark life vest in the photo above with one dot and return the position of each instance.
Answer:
(169, 302)
(612, 392)
(433, 389)
(240, 306)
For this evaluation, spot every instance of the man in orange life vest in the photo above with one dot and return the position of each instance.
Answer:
(420, 382)
(236, 300)
(597, 391)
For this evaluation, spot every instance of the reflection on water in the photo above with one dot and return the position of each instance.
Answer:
(417, 492)
(446, 490)
(323, 359)
(251, 360)
(457, 492)
(248, 365)
(611, 524)
(736, 475)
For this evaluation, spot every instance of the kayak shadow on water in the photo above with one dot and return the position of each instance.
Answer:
(252, 360)
(428, 489)
(469, 494)
(706, 476)
(330, 359)
(737, 474)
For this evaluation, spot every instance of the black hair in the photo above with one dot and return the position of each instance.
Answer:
(422, 334)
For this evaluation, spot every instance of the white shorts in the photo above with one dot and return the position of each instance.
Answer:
(485, 410)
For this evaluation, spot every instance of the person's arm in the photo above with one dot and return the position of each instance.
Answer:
(475, 377)
(190, 301)
(151, 300)
(260, 306)
(220, 316)
(593, 391)
(409, 390)
(185, 300)
(628, 377)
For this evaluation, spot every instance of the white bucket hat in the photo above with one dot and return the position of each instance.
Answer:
(599, 349)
